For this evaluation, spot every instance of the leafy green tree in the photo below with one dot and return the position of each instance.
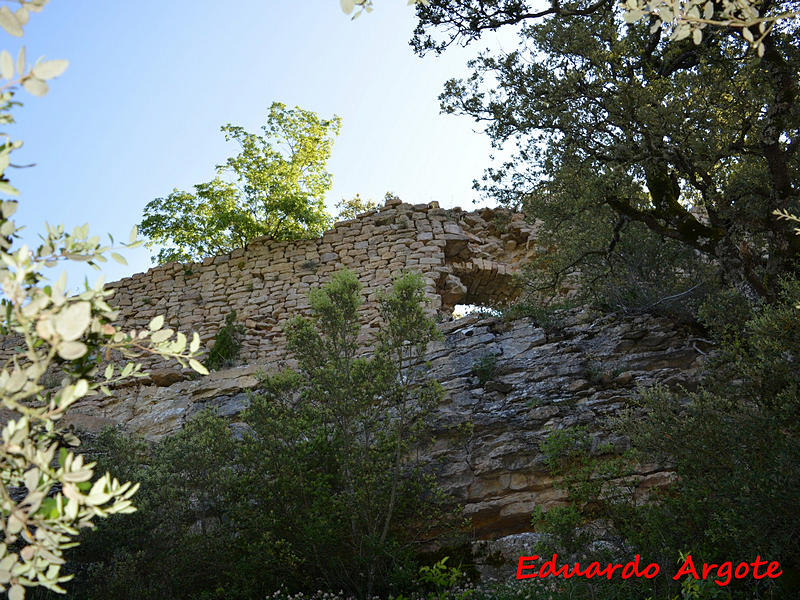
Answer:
(276, 188)
(617, 127)
(47, 492)
(355, 423)
(631, 142)
(181, 542)
(323, 491)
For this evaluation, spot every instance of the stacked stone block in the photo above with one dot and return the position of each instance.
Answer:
(462, 257)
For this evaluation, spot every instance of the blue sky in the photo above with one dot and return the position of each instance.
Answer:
(150, 83)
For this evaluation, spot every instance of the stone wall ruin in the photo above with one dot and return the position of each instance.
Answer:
(464, 257)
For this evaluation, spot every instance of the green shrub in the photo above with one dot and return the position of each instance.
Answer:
(734, 445)
(177, 542)
(441, 578)
(485, 368)
(322, 491)
(227, 344)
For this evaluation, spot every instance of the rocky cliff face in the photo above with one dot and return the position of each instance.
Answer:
(513, 382)
(508, 383)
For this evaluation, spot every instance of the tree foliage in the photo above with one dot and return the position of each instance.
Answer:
(350, 208)
(735, 443)
(686, 18)
(322, 491)
(227, 343)
(369, 411)
(614, 125)
(734, 447)
(275, 187)
(47, 492)
(179, 543)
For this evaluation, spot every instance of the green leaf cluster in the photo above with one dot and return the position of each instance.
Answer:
(274, 187)
(372, 410)
(621, 138)
(350, 208)
(321, 490)
(227, 343)
(71, 336)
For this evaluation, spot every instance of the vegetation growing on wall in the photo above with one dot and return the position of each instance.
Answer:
(321, 492)
(274, 187)
(227, 343)
(350, 208)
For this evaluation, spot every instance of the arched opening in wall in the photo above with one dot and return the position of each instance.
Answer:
(477, 285)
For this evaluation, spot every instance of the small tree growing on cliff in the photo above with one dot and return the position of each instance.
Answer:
(350, 208)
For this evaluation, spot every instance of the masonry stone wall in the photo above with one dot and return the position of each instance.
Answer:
(464, 257)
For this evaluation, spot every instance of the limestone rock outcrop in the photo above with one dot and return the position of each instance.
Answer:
(578, 373)
(508, 384)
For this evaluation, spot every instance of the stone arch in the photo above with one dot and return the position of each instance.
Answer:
(479, 281)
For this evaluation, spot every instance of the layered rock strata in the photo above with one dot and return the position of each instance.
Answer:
(489, 428)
